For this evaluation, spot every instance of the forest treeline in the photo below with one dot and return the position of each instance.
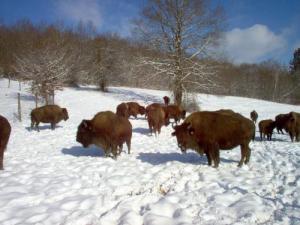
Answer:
(53, 56)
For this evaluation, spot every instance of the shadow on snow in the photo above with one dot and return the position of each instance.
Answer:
(43, 127)
(192, 158)
(79, 151)
(127, 95)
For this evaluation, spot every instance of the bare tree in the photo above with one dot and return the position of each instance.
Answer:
(183, 30)
(47, 68)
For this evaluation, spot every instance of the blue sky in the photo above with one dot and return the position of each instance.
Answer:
(256, 30)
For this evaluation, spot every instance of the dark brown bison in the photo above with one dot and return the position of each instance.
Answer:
(106, 130)
(5, 130)
(175, 112)
(266, 127)
(208, 132)
(157, 117)
(292, 126)
(123, 110)
(254, 116)
(281, 122)
(134, 109)
(166, 100)
(52, 114)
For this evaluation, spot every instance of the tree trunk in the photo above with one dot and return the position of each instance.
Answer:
(46, 99)
(36, 100)
(8, 82)
(20, 86)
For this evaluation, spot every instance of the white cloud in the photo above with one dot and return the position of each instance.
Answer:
(80, 10)
(252, 44)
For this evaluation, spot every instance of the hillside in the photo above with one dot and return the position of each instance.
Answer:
(49, 178)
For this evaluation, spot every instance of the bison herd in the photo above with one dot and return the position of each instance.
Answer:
(206, 132)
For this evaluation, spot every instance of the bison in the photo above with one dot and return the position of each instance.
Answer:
(254, 116)
(135, 109)
(281, 122)
(175, 112)
(153, 106)
(166, 100)
(106, 130)
(266, 127)
(208, 132)
(5, 130)
(123, 110)
(292, 126)
(52, 114)
(157, 117)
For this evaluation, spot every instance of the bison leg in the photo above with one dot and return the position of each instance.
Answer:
(128, 143)
(1, 157)
(32, 124)
(120, 148)
(260, 135)
(291, 136)
(248, 154)
(114, 150)
(208, 157)
(244, 153)
(214, 154)
(53, 126)
(37, 126)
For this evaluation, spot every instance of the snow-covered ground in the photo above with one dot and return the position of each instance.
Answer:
(49, 178)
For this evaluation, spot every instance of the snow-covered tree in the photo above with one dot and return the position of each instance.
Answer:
(182, 30)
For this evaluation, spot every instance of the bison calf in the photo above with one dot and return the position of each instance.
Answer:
(52, 114)
(254, 116)
(106, 130)
(5, 130)
(266, 127)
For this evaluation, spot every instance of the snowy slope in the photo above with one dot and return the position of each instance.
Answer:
(50, 179)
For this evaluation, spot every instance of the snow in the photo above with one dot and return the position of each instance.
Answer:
(49, 178)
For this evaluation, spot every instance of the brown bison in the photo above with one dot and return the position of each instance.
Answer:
(166, 100)
(106, 130)
(123, 110)
(135, 109)
(281, 122)
(175, 112)
(157, 117)
(292, 126)
(254, 116)
(266, 127)
(153, 106)
(5, 130)
(52, 114)
(208, 132)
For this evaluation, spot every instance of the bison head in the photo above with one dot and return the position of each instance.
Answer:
(65, 114)
(142, 110)
(185, 136)
(84, 133)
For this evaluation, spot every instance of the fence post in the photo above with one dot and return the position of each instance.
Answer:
(19, 108)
